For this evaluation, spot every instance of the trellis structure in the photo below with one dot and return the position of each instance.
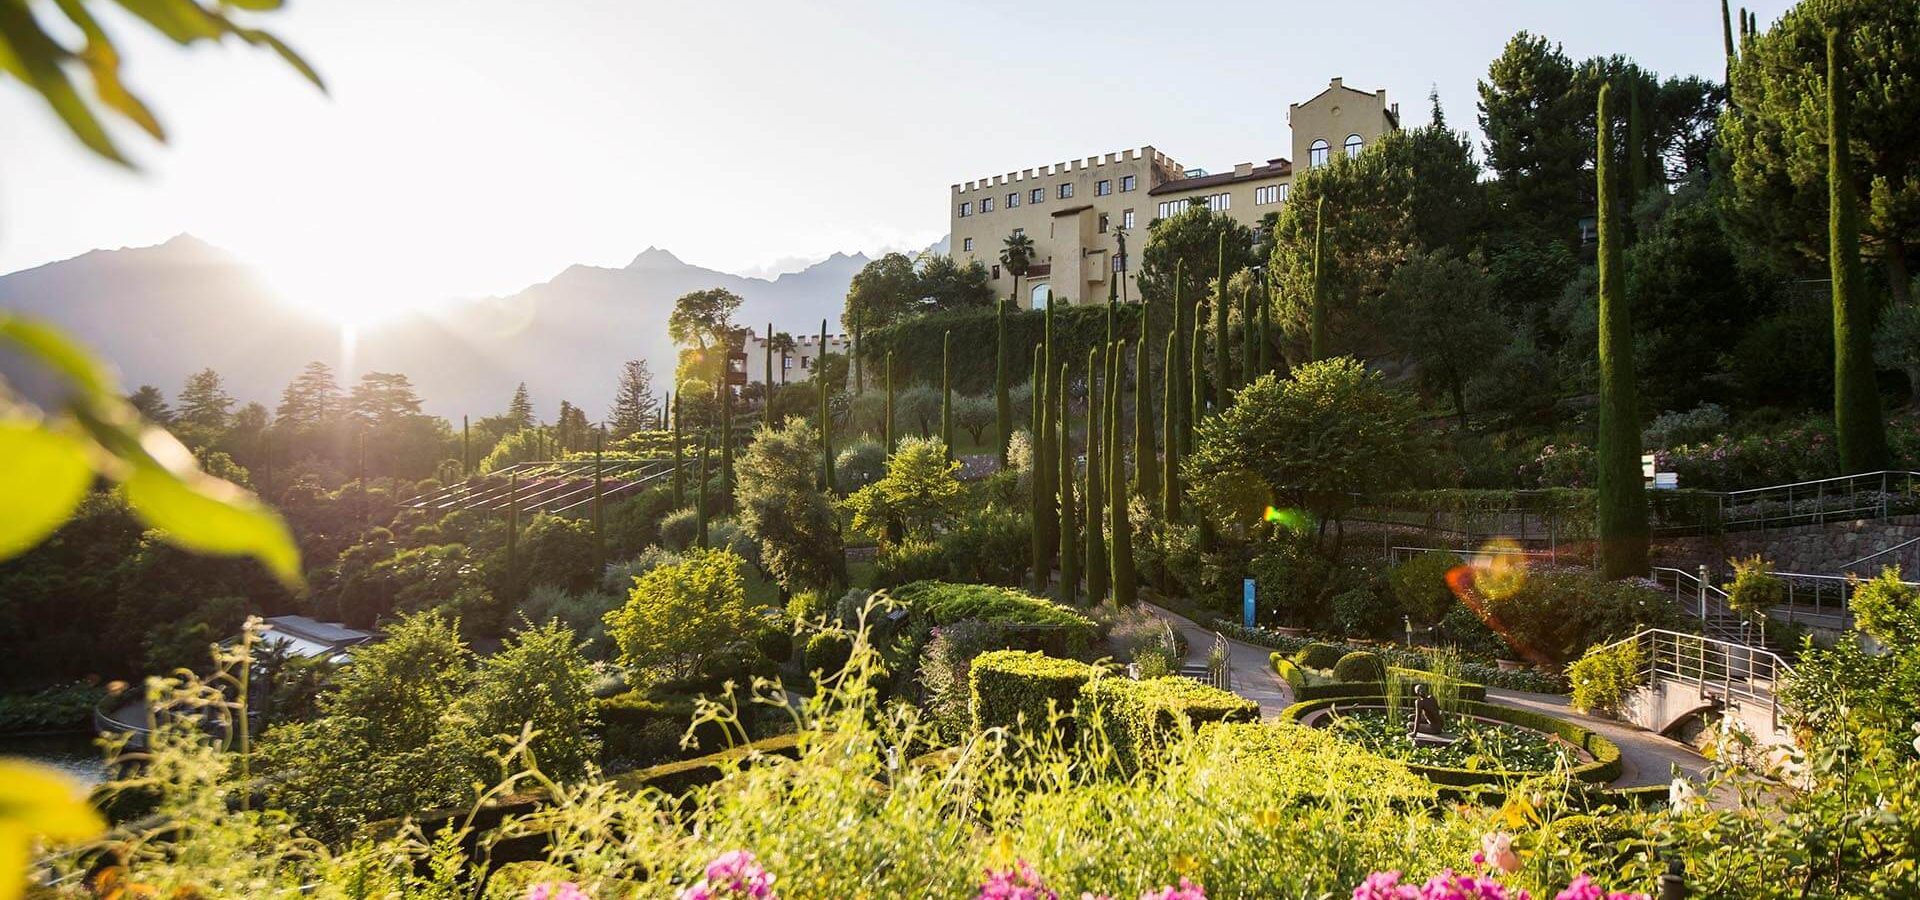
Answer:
(552, 486)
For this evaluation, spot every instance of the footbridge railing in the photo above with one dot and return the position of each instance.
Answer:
(1724, 671)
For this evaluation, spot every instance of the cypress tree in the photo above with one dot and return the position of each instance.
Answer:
(726, 444)
(599, 480)
(1070, 548)
(1037, 482)
(1113, 289)
(1856, 401)
(1146, 477)
(513, 525)
(767, 346)
(1120, 529)
(1266, 339)
(1046, 461)
(1726, 37)
(466, 447)
(1096, 495)
(946, 392)
(679, 462)
(888, 430)
(1622, 496)
(859, 374)
(700, 499)
(826, 415)
(1317, 329)
(1197, 374)
(1247, 371)
(1003, 406)
(1170, 452)
(1220, 384)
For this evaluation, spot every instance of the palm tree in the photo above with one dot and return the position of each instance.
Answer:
(1017, 256)
(782, 343)
(1120, 238)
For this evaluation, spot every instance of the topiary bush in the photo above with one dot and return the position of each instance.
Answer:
(1138, 717)
(1605, 676)
(1363, 612)
(1318, 656)
(908, 561)
(1008, 688)
(638, 729)
(679, 528)
(1360, 665)
(828, 652)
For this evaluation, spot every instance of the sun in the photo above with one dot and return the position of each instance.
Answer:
(355, 296)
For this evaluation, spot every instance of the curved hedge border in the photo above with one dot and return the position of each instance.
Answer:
(1008, 687)
(1138, 716)
(1604, 768)
(1304, 690)
(1395, 655)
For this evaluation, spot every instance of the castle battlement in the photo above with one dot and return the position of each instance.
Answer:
(1070, 167)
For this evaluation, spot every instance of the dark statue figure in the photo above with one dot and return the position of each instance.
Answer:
(1426, 713)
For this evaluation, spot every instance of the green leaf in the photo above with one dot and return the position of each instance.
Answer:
(182, 20)
(207, 515)
(57, 352)
(36, 57)
(46, 476)
(38, 803)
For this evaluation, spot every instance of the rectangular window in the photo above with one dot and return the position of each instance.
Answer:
(986, 204)
(1013, 199)
(1019, 231)
(966, 244)
(966, 209)
(1103, 223)
(1220, 202)
(1126, 183)
(1126, 219)
(1268, 194)
(1102, 188)
(1119, 263)
(996, 273)
(1036, 195)
(1283, 192)
(786, 363)
(1066, 190)
(1166, 210)
(806, 362)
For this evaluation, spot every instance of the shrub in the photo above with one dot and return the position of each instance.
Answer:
(637, 729)
(908, 561)
(1139, 717)
(1420, 586)
(861, 463)
(1360, 665)
(988, 545)
(679, 528)
(1605, 676)
(945, 667)
(1698, 424)
(1318, 656)
(944, 602)
(678, 615)
(1291, 579)
(1007, 688)
(1362, 612)
(828, 652)
(1558, 615)
(1754, 589)
(1305, 687)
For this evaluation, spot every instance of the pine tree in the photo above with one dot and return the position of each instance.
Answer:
(204, 402)
(1119, 527)
(1003, 405)
(1094, 520)
(1146, 470)
(1069, 526)
(1317, 328)
(679, 461)
(311, 400)
(1622, 496)
(946, 392)
(633, 404)
(520, 408)
(1856, 401)
(1169, 429)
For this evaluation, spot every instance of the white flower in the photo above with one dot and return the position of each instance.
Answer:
(1680, 794)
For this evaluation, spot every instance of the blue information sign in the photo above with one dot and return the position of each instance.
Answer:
(1246, 602)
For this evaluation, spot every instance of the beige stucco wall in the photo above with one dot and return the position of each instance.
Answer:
(1334, 114)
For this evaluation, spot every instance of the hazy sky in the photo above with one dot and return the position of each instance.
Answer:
(476, 146)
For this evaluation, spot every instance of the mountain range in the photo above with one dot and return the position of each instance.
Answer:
(162, 312)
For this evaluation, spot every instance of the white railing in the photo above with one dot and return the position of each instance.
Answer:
(1733, 669)
(1820, 596)
(1220, 663)
(1867, 494)
(1402, 554)
(1700, 599)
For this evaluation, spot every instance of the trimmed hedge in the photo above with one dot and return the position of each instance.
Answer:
(1009, 687)
(640, 729)
(946, 602)
(1605, 767)
(1305, 688)
(1318, 655)
(1137, 716)
(1360, 665)
(1483, 672)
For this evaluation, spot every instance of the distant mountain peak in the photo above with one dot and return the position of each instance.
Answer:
(654, 258)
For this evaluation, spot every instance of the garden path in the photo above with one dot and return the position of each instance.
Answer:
(1649, 758)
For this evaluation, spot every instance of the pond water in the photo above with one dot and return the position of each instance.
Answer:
(75, 754)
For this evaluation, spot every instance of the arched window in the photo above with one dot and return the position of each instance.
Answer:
(1316, 155)
(1042, 296)
(1353, 145)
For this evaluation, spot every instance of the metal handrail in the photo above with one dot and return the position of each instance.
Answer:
(1735, 669)
(1902, 545)
(1821, 481)
(1221, 676)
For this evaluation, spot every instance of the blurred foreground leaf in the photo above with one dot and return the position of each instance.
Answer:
(38, 803)
(46, 475)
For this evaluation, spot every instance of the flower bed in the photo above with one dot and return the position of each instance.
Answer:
(1601, 757)
(1484, 673)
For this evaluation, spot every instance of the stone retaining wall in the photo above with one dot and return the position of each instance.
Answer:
(1808, 549)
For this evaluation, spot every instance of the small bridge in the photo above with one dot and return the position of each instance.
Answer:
(1687, 676)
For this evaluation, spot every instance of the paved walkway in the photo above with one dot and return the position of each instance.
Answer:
(1648, 758)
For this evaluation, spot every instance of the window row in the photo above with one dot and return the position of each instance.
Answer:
(1101, 188)
(1317, 153)
(1272, 193)
(1220, 202)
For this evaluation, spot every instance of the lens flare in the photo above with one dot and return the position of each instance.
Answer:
(1290, 519)
(1497, 572)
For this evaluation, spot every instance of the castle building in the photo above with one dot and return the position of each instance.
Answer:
(1076, 212)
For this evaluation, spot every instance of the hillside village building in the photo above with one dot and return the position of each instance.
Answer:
(1074, 212)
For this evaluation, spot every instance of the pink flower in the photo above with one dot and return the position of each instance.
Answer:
(1018, 883)
(1186, 891)
(1583, 888)
(1384, 886)
(556, 890)
(1496, 850)
(734, 873)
